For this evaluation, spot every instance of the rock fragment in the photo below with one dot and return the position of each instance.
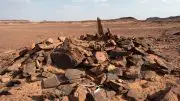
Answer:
(103, 94)
(3, 70)
(29, 69)
(61, 38)
(12, 83)
(81, 93)
(65, 89)
(4, 91)
(135, 95)
(49, 41)
(133, 72)
(74, 75)
(101, 56)
(51, 82)
(168, 94)
(149, 75)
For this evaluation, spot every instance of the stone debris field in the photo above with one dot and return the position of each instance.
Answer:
(99, 67)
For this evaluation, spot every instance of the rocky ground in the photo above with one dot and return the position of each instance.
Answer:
(94, 67)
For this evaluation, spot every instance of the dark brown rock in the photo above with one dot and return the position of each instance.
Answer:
(46, 74)
(97, 45)
(21, 52)
(110, 76)
(135, 60)
(142, 44)
(51, 93)
(168, 94)
(125, 43)
(48, 59)
(117, 86)
(119, 62)
(4, 91)
(67, 57)
(51, 82)
(139, 51)
(12, 83)
(74, 75)
(29, 69)
(115, 70)
(100, 28)
(149, 75)
(3, 70)
(97, 70)
(118, 52)
(65, 89)
(133, 72)
(163, 66)
(158, 64)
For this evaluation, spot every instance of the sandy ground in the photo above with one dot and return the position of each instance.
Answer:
(16, 35)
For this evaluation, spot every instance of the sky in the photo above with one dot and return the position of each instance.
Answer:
(63, 10)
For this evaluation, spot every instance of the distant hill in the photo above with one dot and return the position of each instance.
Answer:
(127, 18)
(123, 19)
(171, 18)
(15, 21)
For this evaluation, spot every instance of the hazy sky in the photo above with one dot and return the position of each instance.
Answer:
(37, 10)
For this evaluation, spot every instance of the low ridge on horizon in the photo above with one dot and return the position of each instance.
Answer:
(176, 18)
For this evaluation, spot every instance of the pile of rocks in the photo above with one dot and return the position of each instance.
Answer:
(101, 67)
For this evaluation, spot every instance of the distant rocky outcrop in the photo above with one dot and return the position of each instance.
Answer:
(171, 18)
(124, 19)
(127, 18)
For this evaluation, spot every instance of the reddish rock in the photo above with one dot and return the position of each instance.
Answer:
(103, 95)
(61, 38)
(65, 98)
(101, 56)
(80, 93)
(134, 94)
(49, 41)
(133, 72)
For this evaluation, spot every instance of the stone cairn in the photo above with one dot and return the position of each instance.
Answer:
(100, 67)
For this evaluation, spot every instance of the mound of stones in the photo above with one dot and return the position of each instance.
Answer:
(97, 67)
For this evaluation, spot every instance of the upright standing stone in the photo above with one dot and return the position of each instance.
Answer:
(99, 25)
